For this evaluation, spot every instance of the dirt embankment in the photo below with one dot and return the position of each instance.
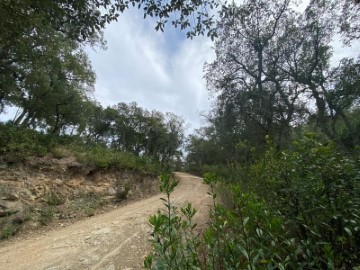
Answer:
(114, 240)
(45, 193)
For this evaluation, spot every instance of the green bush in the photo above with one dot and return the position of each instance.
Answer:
(107, 158)
(295, 209)
(55, 199)
(247, 237)
(47, 215)
(175, 243)
(8, 230)
(87, 203)
(19, 143)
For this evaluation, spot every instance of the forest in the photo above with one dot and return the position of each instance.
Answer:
(280, 150)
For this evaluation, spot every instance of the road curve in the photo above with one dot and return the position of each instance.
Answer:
(111, 241)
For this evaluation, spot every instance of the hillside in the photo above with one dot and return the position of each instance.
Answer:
(45, 192)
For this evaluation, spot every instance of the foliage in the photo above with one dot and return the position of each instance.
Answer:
(18, 143)
(54, 199)
(175, 242)
(122, 192)
(246, 237)
(144, 141)
(316, 189)
(47, 215)
(107, 158)
(87, 203)
(8, 230)
(293, 209)
(273, 71)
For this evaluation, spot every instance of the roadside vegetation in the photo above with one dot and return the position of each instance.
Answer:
(281, 149)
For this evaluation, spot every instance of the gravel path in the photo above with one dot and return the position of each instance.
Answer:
(115, 240)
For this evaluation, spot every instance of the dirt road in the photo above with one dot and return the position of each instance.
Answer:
(115, 240)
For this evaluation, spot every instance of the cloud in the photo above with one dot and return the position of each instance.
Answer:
(159, 71)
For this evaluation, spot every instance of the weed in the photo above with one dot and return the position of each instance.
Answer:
(55, 199)
(9, 230)
(47, 214)
(88, 203)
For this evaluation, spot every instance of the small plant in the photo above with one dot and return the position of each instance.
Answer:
(47, 214)
(60, 153)
(175, 242)
(88, 203)
(9, 230)
(55, 199)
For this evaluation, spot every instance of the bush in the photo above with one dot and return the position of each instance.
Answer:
(8, 230)
(55, 199)
(175, 243)
(295, 209)
(107, 158)
(122, 192)
(87, 203)
(47, 214)
(19, 143)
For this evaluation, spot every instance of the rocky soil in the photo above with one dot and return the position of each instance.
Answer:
(43, 193)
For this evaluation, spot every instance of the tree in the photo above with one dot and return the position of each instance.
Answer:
(31, 30)
(52, 86)
(273, 65)
(254, 94)
(28, 27)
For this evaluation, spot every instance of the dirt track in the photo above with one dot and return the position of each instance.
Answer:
(115, 240)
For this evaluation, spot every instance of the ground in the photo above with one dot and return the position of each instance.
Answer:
(115, 240)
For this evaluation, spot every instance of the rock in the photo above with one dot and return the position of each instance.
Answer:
(111, 191)
(10, 207)
(58, 182)
(11, 197)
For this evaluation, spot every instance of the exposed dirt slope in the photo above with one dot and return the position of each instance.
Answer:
(115, 240)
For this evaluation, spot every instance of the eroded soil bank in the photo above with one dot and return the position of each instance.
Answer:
(44, 193)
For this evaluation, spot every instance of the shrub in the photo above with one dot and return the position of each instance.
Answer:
(18, 143)
(295, 209)
(55, 199)
(8, 230)
(87, 203)
(47, 214)
(175, 243)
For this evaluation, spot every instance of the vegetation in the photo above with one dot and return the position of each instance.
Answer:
(123, 136)
(296, 209)
(283, 140)
(283, 135)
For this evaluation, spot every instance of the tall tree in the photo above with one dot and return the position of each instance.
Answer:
(254, 94)
(273, 71)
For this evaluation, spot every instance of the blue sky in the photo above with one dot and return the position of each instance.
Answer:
(159, 71)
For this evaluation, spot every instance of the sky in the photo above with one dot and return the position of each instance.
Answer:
(160, 71)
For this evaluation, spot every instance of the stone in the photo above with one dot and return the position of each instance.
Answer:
(58, 182)
(111, 191)
(11, 197)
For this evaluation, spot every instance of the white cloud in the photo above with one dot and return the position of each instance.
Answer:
(161, 71)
